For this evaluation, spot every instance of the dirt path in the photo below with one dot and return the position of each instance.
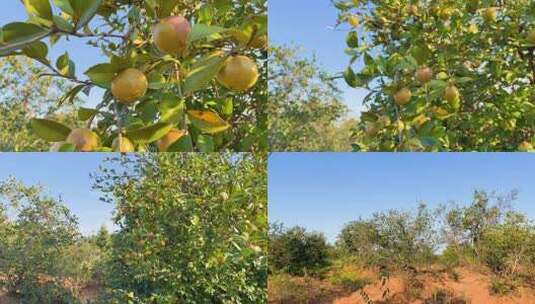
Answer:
(471, 286)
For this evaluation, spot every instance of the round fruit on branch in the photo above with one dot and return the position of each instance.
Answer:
(123, 145)
(170, 35)
(83, 139)
(424, 75)
(239, 73)
(129, 86)
(402, 97)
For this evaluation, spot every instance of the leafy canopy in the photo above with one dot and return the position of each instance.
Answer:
(183, 93)
(480, 95)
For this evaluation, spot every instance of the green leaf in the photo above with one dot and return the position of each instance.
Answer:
(208, 121)
(205, 143)
(65, 65)
(171, 109)
(184, 144)
(101, 74)
(50, 130)
(84, 11)
(37, 50)
(65, 6)
(86, 113)
(352, 39)
(18, 35)
(149, 134)
(39, 8)
(202, 31)
(203, 72)
(67, 147)
(63, 24)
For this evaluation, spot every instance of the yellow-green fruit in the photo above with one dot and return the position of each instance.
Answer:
(353, 21)
(525, 147)
(171, 35)
(123, 145)
(531, 36)
(451, 94)
(239, 73)
(490, 14)
(83, 139)
(403, 96)
(170, 138)
(129, 86)
(472, 28)
(400, 125)
(424, 75)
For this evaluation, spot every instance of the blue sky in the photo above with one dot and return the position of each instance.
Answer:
(323, 191)
(310, 24)
(65, 174)
(83, 55)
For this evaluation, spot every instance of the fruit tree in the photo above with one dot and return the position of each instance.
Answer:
(193, 227)
(188, 73)
(452, 75)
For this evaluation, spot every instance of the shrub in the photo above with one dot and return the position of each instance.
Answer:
(395, 238)
(193, 228)
(442, 296)
(449, 257)
(348, 277)
(297, 251)
(479, 94)
(502, 286)
(35, 237)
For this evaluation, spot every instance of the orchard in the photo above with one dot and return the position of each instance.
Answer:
(180, 75)
(442, 75)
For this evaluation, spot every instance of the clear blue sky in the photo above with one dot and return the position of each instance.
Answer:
(323, 191)
(83, 55)
(310, 24)
(65, 174)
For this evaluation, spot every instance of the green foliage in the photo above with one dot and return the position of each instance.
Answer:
(33, 243)
(297, 251)
(480, 96)
(24, 96)
(502, 286)
(305, 110)
(177, 83)
(192, 228)
(393, 238)
(347, 276)
(510, 246)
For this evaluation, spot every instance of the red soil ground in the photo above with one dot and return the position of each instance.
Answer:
(471, 286)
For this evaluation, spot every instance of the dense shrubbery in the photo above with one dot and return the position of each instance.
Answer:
(24, 95)
(43, 258)
(305, 108)
(450, 75)
(486, 234)
(192, 228)
(393, 237)
(297, 251)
